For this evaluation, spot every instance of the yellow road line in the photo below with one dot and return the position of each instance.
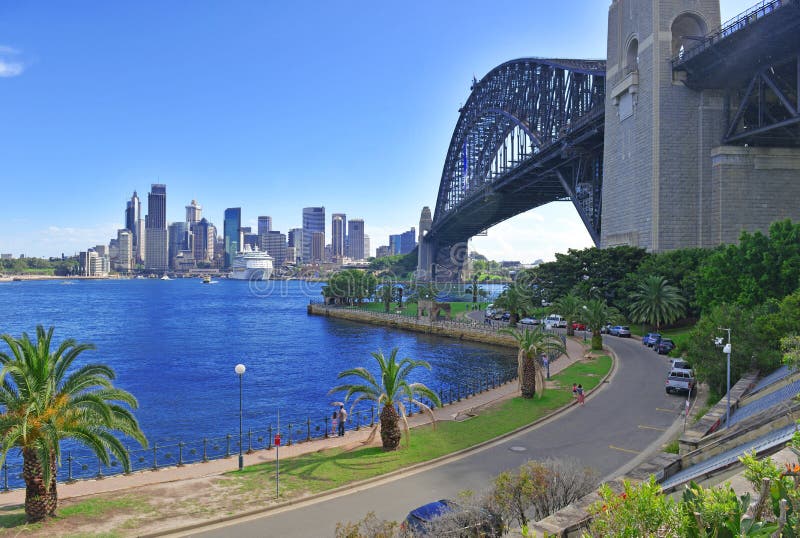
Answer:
(652, 428)
(674, 411)
(623, 449)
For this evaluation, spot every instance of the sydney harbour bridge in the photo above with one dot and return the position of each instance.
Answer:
(533, 130)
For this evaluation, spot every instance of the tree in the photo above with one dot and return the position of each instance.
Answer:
(386, 293)
(532, 345)
(597, 313)
(392, 389)
(350, 286)
(515, 299)
(43, 404)
(571, 307)
(657, 302)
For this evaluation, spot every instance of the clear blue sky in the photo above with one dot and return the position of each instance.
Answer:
(271, 106)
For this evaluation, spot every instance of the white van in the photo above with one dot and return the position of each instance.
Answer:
(554, 320)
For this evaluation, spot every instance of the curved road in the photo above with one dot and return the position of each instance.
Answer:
(617, 422)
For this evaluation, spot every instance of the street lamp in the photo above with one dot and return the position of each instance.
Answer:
(727, 350)
(240, 372)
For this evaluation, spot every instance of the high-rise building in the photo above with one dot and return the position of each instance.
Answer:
(93, 264)
(318, 247)
(264, 225)
(355, 234)
(382, 251)
(338, 233)
(134, 223)
(290, 256)
(204, 235)
(295, 241)
(366, 247)
(252, 240)
(408, 240)
(313, 221)
(194, 212)
(230, 234)
(125, 261)
(275, 245)
(394, 244)
(156, 248)
(180, 241)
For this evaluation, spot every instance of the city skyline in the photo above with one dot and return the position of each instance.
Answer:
(351, 107)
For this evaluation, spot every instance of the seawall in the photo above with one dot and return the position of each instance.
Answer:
(460, 331)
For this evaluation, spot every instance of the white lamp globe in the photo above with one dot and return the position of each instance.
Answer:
(239, 369)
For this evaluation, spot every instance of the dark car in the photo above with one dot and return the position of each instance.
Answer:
(506, 316)
(479, 523)
(651, 339)
(665, 346)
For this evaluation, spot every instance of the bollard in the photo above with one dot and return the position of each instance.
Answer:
(249, 440)
(228, 446)
(180, 453)
(155, 456)
(308, 429)
(205, 450)
(290, 434)
(326, 426)
(70, 480)
(358, 420)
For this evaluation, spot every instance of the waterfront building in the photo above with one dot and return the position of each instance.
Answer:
(194, 212)
(156, 248)
(264, 225)
(231, 231)
(93, 264)
(338, 234)
(125, 261)
(251, 239)
(317, 247)
(274, 243)
(313, 222)
(355, 234)
(180, 240)
(204, 234)
(382, 251)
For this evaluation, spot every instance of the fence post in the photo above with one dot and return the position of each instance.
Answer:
(5, 476)
(69, 468)
(290, 434)
(155, 456)
(228, 446)
(99, 469)
(249, 440)
(308, 428)
(326, 425)
(372, 416)
(205, 451)
(180, 453)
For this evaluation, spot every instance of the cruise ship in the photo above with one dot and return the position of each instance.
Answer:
(251, 265)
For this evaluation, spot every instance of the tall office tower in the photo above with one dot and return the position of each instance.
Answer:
(317, 247)
(264, 225)
(366, 246)
(338, 232)
(180, 241)
(252, 240)
(408, 240)
(124, 251)
(156, 248)
(194, 212)
(204, 234)
(291, 259)
(134, 223)
(295, 239)
(394, 245)
(230, 234)
(382, 251)
(355, 235)
(313, 221)
(275, 245)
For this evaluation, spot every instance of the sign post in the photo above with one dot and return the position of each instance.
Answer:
(277, 459)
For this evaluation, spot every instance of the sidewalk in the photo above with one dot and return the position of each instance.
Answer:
(352, 439)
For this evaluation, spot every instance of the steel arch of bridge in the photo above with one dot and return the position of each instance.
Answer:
(532, 124)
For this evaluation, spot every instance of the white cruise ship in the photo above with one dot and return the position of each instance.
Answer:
(251, 265)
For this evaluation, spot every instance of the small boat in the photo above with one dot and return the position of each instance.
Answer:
(165, 277)
(206, 279)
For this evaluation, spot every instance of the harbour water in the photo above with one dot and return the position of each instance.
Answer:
(174, 345)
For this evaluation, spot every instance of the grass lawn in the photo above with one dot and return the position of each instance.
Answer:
(321, 471)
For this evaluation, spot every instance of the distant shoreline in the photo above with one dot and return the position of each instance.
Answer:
(21, 278)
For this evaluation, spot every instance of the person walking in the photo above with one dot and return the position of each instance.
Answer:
(335, 423)
(342, 419)
(580, 394)
(575, 390)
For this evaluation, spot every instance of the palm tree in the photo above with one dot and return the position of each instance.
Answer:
(657, 302)
(597, 313)
(43, 404)
(393, 388)
(571, 307)
(515, 301)
(532, 345)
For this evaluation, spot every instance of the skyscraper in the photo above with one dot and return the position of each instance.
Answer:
(194, 212)
(125, 252)
(230, 233)
(355, 234)
(296, 244)
(204, 237)
(313, 221)
(408, 240)
(156, 248)
(180, 240)
(318, 247)
(275, 245)
(338, 232)
(133, 222)
(264, 225)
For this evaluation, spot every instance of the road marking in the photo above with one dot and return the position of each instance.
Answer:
(673, 411)
(623, 449)
(652, 428)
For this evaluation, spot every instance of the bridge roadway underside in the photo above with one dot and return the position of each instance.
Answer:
(532, 183)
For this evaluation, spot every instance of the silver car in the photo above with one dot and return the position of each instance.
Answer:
(624, 331)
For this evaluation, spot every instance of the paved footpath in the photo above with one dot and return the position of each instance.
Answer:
(215, 467)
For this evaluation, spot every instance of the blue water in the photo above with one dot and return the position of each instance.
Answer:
(174, 345)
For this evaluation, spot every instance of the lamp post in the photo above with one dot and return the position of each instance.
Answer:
(727, 350)
(239, 369)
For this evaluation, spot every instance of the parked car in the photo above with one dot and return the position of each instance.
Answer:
(529, 321)
(624, 331)
(506, 316)
(680, 364)
(651, 339)
(680, 380)
(664, 346)
(606, 329)
(497, 315)
(485, 524)
(554, 320)
(578, 326)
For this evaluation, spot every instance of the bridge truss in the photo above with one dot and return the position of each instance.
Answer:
(530, 133)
